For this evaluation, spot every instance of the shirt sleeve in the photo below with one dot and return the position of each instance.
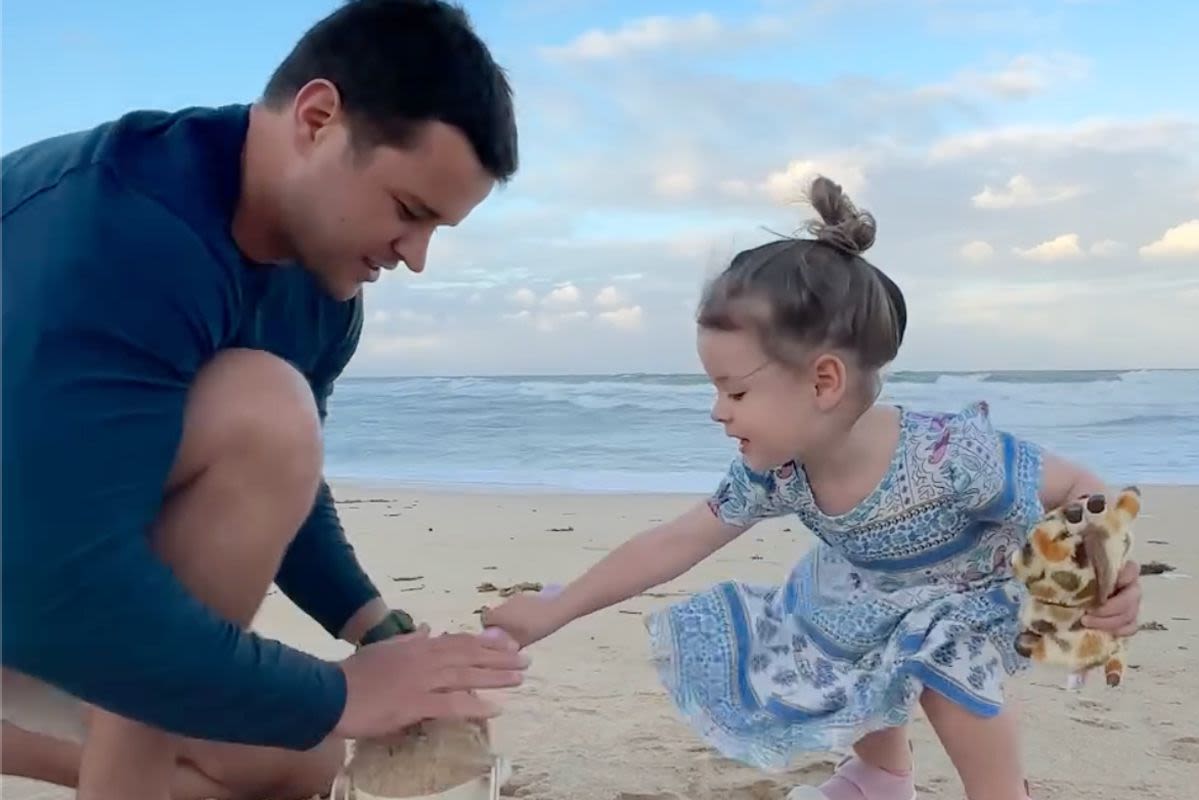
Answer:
(745, 497)
(320, 572)
(995, 474)
(107, 319)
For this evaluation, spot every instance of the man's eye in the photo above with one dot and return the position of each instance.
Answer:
(406, 212)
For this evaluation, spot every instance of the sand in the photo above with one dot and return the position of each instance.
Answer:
(592, 724)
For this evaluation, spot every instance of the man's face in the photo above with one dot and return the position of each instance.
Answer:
(351, 213)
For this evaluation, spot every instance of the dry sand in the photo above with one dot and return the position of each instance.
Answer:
(592, 724)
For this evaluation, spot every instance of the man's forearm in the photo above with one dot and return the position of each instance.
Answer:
(320, 573)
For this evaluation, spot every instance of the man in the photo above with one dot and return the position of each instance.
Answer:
(181, 290)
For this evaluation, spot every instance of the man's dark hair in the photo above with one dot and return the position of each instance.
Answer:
(400, 63)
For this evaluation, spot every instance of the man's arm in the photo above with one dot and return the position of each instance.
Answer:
(111, 306)
(320, 572)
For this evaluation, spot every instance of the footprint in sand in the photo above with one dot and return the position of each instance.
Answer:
(737, 787)
(1185, 748)
(524, 784)
(1106, 724)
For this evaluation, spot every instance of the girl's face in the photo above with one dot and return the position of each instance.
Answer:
(776, 412)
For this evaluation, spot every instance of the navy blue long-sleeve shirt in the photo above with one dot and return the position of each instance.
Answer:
(121, 280)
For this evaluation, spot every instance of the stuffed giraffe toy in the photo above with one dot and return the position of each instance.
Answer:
(1069, 564)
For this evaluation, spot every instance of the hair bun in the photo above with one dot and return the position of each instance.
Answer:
(841, 224)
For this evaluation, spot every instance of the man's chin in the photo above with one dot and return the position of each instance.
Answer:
(342, 291)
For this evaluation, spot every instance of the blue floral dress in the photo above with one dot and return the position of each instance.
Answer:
(910, 589)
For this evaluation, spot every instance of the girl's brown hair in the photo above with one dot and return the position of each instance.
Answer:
(813, 293)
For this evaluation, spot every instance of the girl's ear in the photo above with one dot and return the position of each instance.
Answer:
(829, 380)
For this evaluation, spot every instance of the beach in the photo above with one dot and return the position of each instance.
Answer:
(591, 722)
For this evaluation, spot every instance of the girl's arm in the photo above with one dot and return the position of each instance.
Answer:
(1063, 481)
(653, 557)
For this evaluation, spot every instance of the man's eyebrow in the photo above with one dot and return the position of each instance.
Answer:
(421, 208)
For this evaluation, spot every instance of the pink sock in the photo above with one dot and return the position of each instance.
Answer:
(857, 780)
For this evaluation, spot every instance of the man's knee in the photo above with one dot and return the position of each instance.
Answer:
(251, 407)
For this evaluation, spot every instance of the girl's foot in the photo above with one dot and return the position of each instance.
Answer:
(854, 779)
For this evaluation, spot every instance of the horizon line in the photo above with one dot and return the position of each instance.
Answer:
(627, 374)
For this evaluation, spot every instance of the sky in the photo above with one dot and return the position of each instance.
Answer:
(1033, 166)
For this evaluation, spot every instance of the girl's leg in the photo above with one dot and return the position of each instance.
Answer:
(984, 751)
(881, 769)
(888, 749)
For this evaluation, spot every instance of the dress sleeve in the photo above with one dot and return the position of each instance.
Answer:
(995, 474)
(745, 497)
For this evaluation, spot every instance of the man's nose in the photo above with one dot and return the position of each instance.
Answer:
(413, 249)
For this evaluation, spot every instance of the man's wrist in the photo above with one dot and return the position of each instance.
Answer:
(395, 623)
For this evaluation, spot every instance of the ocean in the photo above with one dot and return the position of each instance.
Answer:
(652, 433)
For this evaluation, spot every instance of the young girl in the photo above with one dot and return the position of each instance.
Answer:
(907, 596)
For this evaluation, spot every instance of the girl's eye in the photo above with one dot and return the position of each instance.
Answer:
(736, 395)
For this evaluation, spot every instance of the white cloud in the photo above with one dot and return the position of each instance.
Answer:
(1060, 248)
(524, 296)
(679, 183)
(1021, 193)
(1095, 135)
(548, 323)
(609, 297)
(565, 295)
(700, 31)
(1180, 240)
(1018, 78)
(977, 251)
(623, 318)
(789, 184)
(388, 345)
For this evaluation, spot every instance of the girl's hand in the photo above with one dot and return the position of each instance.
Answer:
(527, 618)
(1119, 614)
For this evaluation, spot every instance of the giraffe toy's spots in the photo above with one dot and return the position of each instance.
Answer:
(1069, 565)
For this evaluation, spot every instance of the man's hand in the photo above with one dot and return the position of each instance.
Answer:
(401, 681)
(1119, 614)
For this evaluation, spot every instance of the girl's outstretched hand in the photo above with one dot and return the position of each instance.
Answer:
(527, 618)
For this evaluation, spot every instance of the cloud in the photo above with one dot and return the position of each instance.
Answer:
(1093, 135)
(696, 32)
(609, 297)
(1060, 248)
(789, 184)
(565, 295)
(400, 344)
(678, 183)
(524, 296)
(1180, 240)
(1021, 77)
(623, 318)
(1021, 193)
(977, 251)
